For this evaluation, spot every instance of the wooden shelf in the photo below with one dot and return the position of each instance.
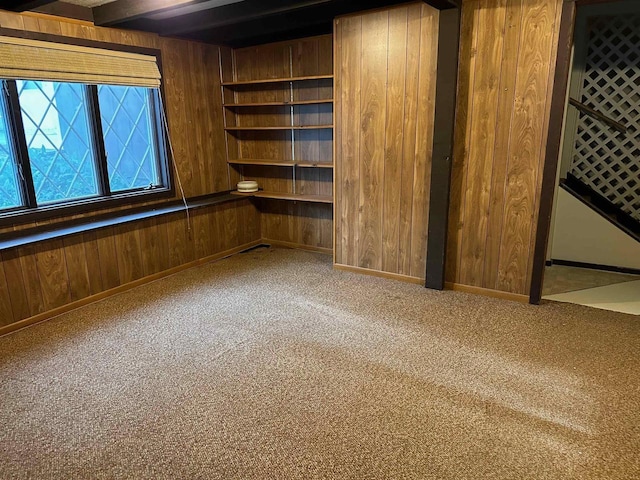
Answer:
(278, 80)
(288, 196)
(280, 163)
(268, 163)
(295, 127)
(314, 165)
(281, 104)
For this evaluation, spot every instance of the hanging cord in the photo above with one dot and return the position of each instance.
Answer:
(166, 129)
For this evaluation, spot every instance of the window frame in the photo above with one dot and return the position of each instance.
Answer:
(30, 212)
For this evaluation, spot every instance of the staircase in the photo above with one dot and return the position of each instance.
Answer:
(601, 160)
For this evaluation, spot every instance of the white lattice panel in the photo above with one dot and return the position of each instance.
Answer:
(604, 159)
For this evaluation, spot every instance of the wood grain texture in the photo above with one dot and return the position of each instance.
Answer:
(375, 40)
(348, 72)
(411, 103)
(53, 274)
(394, 127)
(77, 267)
(44, 277)
(56, 273)
(506, 96)
(6, 312)
(424, 142)
(462, 137)
(385, 70)
(489, 52)
(506, 78)
(298, 223)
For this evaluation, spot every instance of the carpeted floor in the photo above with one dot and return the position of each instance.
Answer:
(270, 365)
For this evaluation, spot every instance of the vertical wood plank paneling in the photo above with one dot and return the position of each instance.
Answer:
(53, 275)
(180, 235)
(127, 241)
(76, 259)
(337, 145)
(15, 284)
(394, 127)
(202, 234)
(92, 260)
(489, 52)
(527, 133)
(462, 136)
(375, 35)
(349, 68)
(492, 229)
(506, 95)
(33, 287)
(424, 142)
(393, 76)
(411, 102)
(108, 258)
(6, 312)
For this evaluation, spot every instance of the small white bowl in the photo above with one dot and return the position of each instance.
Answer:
(248, 186)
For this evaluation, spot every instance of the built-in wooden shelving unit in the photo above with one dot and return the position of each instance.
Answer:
(277, 102)
(273, 124)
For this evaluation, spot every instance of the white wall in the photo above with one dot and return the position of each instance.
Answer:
(581, 235)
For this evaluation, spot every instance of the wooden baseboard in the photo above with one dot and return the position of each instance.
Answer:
(487, 292)
(299, 246)
(377, 273)
(122, 288)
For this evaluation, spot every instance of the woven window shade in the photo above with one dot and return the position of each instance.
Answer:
(26, 59)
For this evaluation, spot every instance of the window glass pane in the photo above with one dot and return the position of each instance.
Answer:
(9, 190)
(56, 127)
(127, 126)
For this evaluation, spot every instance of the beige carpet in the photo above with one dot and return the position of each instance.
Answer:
(270, 365)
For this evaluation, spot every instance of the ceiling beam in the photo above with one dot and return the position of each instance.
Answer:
(66, 10)
(122, 11)
(22, 6)
(236, 13)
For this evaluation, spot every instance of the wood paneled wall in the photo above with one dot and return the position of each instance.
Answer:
(38, 278)
(508, 49)
(385, 69)
(299, 224)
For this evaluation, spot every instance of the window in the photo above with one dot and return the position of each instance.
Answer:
(56, 126)
(64, 144)
(128, 137)
(10, 196)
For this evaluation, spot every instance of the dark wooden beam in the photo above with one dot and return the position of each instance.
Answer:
(121, 11)
(444, 4)
(22, 6)
(67, 10)
(235, 13)
(445, 108)
(552, 154)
